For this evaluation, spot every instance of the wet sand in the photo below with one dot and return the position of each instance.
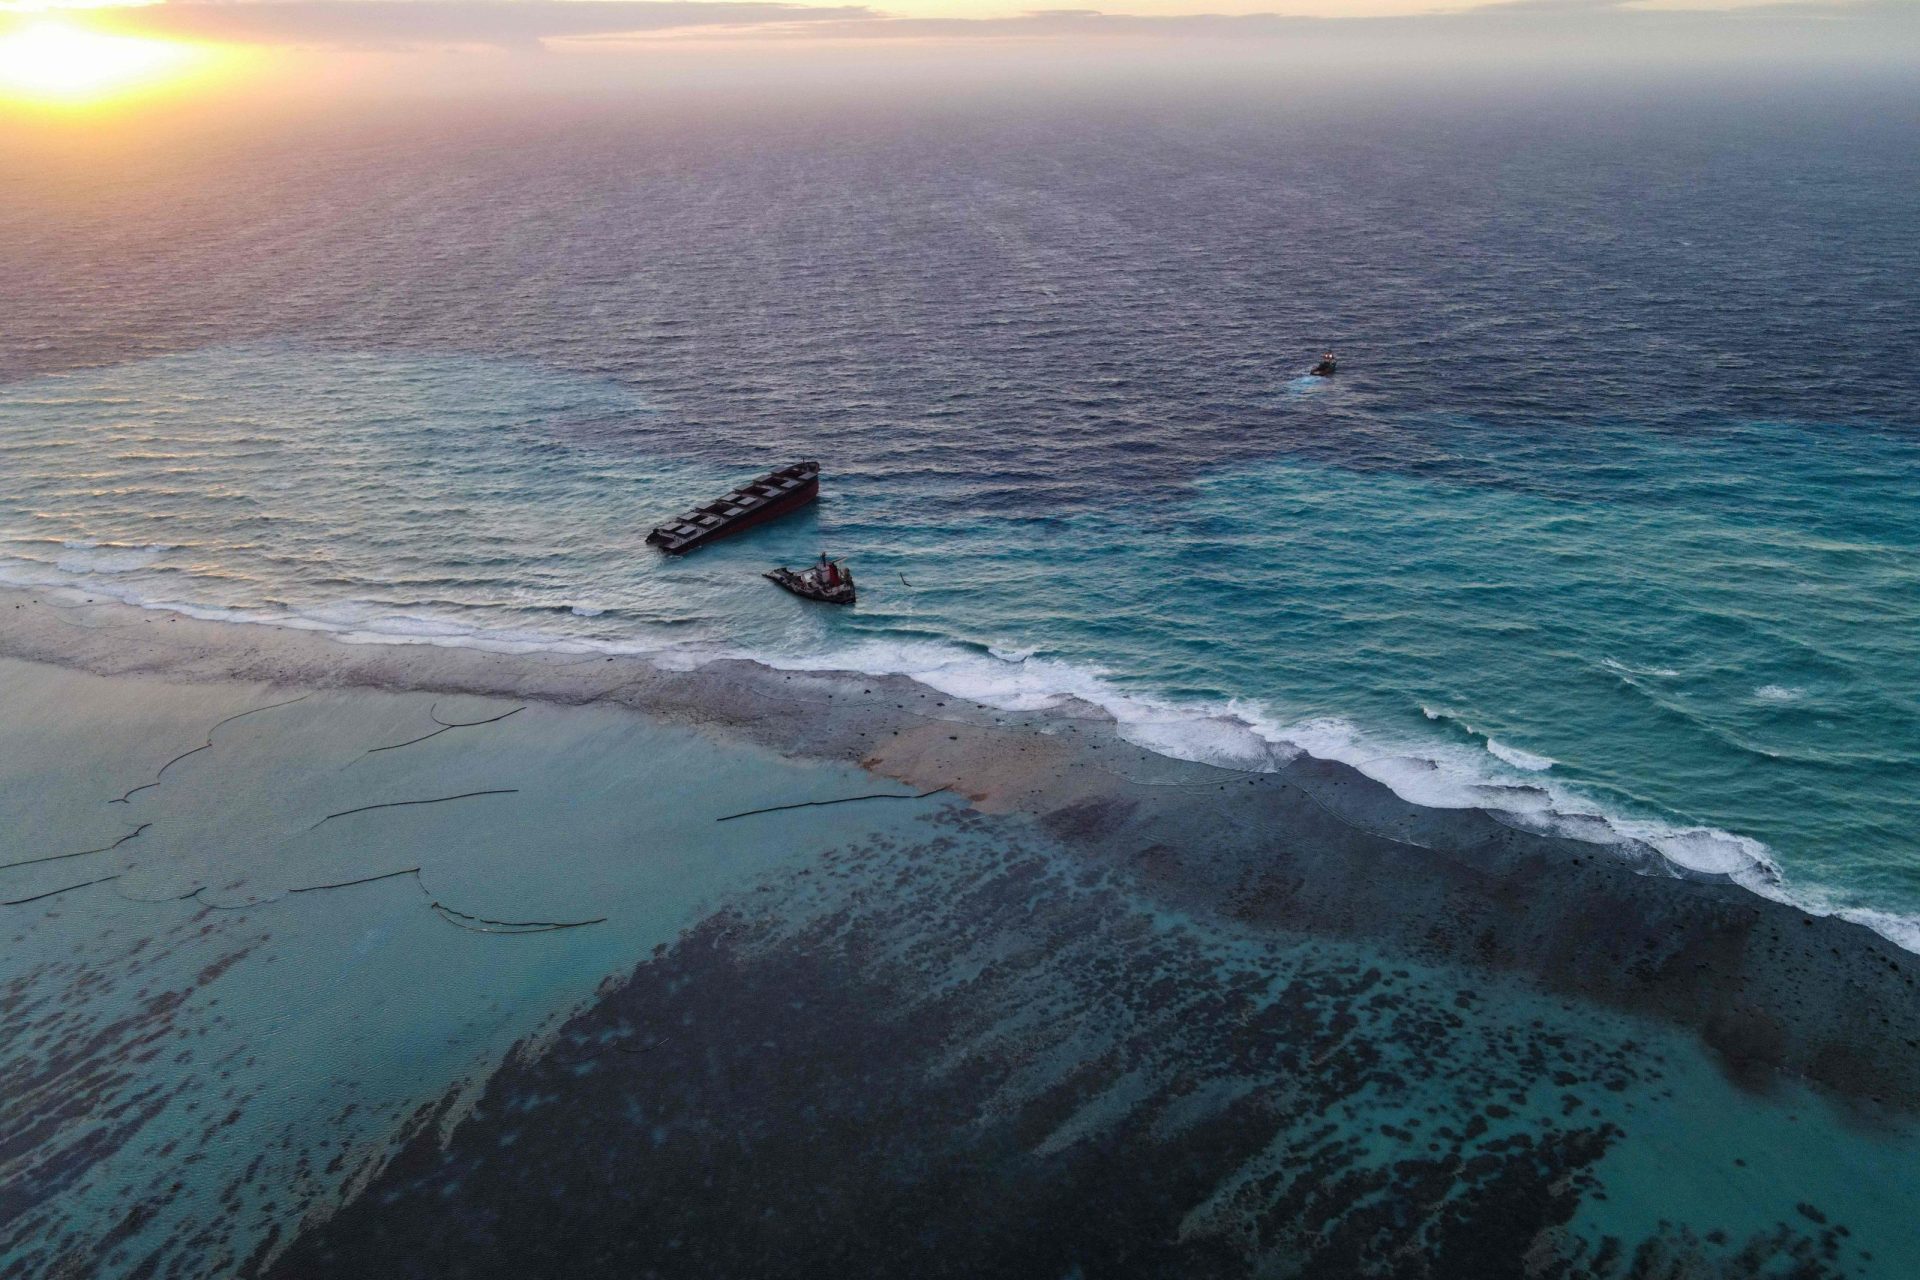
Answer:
(1121, 990)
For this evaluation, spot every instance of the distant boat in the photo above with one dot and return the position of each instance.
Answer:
(768, 498)
(1326, 367)
(826, 582)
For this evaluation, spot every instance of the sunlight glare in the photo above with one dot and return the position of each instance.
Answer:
(51, 61)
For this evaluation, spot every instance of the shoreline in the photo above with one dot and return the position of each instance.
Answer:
(1314, 848)
(1235, 735)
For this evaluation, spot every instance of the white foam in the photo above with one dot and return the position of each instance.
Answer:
(1707, 850)
(16, 572)
(1622, 669)
(1242, 734)
(1520, 759)
(81, 556)
(1901, 931)
(1530, 762)
(1236, 734)
(1779, 693)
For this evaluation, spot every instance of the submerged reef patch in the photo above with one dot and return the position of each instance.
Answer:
(970, 1056)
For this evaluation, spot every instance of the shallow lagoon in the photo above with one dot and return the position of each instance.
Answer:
(201, 1022)
(1024, 1052)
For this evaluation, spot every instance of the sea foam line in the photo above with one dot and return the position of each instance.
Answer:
(1241, 734)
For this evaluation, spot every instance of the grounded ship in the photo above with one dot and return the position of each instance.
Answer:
(829, 582)
(771, 496)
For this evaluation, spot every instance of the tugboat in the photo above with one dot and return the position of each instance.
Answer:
(771, 496)
(826, 582)
(1325, 368)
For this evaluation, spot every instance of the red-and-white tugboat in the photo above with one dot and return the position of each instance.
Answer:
(826, 582)
(771, 496)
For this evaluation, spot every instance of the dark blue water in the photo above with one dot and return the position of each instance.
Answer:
(1609, 520)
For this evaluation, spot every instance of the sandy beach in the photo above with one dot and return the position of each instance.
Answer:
(1032, 955)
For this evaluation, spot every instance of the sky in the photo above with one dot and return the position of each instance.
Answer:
(90, 56)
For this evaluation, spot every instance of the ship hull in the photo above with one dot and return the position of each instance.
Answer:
(669, 538)
(771, 511)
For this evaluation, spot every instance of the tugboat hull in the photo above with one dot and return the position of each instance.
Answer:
(809, 586)
(771, 496)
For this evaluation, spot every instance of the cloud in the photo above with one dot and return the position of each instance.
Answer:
(1569, 18)
(527, 23)
(364, 23)
(1553, 6)
(1559, 19)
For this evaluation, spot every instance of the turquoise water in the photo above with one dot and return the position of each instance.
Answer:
(217, 1032)
(1608, 524)
(1702, 639)
(201, 1046)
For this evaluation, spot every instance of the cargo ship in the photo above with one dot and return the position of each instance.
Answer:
(770, 497)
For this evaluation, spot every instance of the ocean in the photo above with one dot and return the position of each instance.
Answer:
(1609, 523)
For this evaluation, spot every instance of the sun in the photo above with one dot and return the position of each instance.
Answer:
(54, 62)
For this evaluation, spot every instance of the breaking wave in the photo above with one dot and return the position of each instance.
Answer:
(1247, 735)
(1529, 761)
(1243, 734)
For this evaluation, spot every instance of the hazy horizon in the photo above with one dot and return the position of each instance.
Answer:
(113, 61)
